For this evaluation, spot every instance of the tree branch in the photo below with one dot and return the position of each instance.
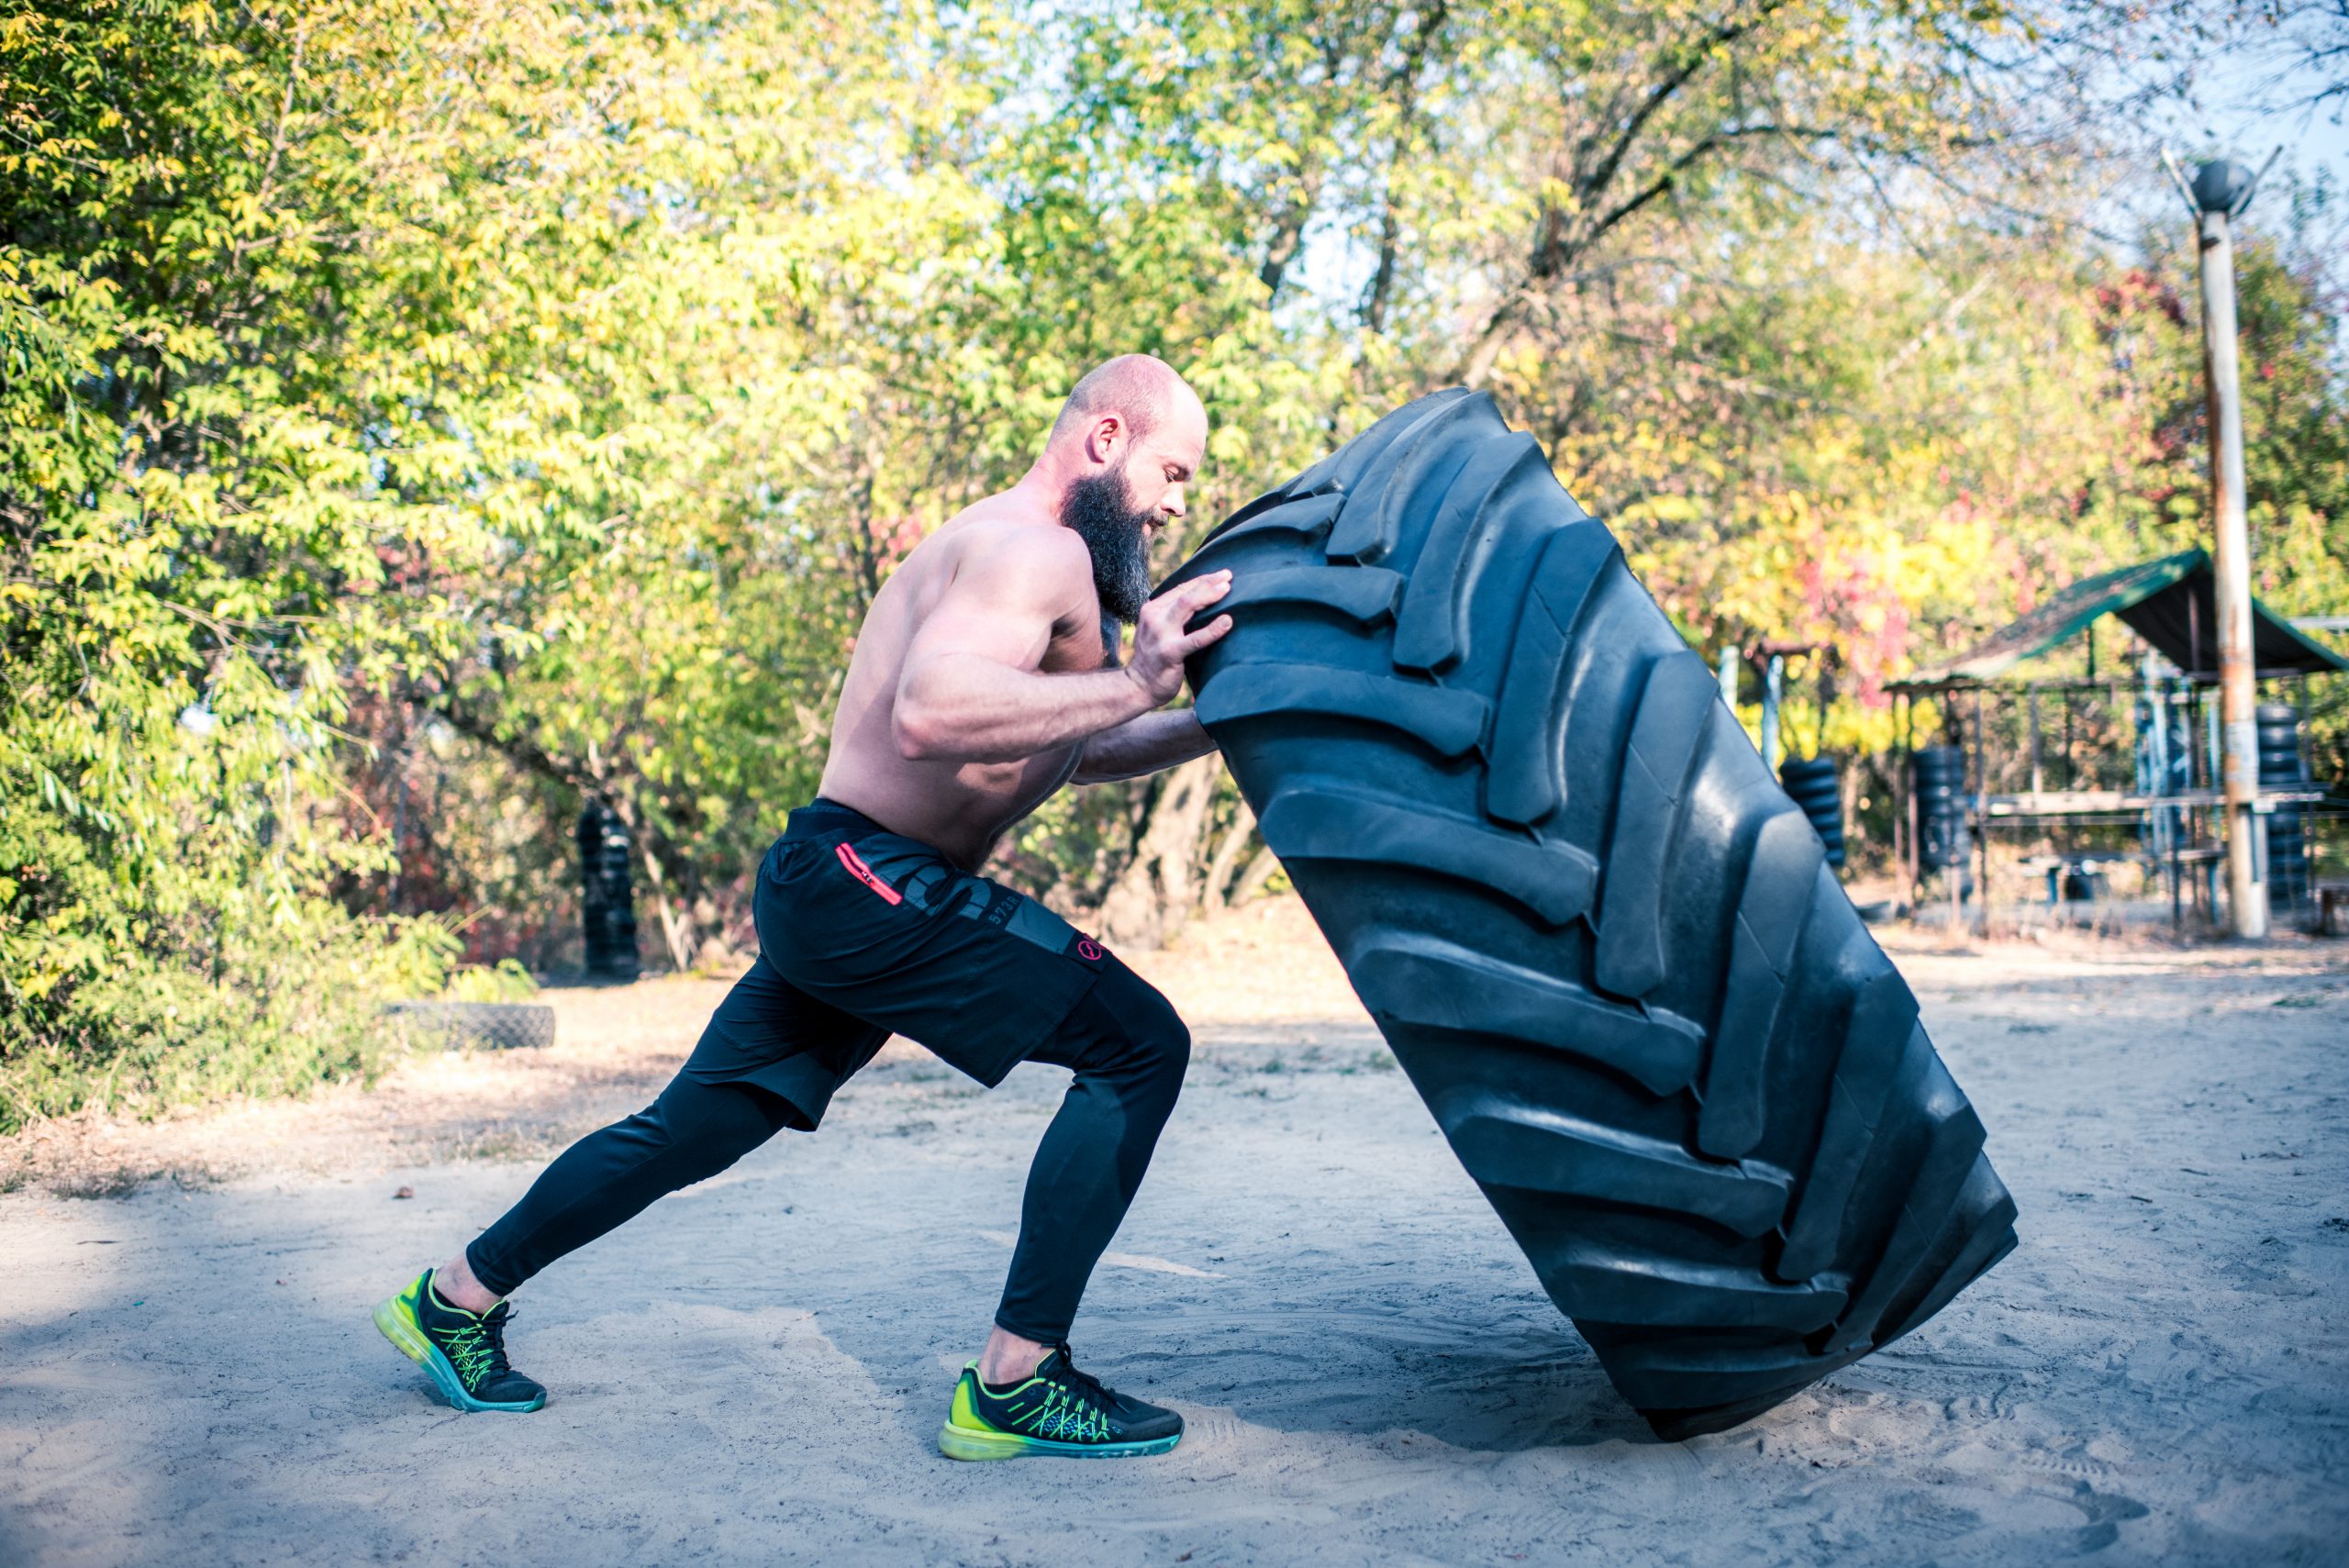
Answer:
(475, 726)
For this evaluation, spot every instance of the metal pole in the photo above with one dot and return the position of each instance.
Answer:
(1904, 821)
(1982, 807)
(2038, 782)
(2246, 892)
(1771, 691)
(2071, 776)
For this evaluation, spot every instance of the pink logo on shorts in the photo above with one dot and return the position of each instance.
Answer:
(1086, 948)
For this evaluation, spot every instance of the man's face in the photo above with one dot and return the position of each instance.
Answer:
(1119, 507)
(1162, 463)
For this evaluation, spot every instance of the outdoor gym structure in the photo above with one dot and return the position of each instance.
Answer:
(2122, 763)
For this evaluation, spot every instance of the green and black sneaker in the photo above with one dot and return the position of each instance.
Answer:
(464, 1353)
(1057, 1410)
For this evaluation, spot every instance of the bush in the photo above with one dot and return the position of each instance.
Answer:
(268, 1012)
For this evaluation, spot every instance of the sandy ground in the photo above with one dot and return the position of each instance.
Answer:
(754, 1371)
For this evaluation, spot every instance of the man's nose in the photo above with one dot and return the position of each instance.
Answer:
(1173, 505)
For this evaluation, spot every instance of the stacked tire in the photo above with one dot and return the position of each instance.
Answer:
(1602, 941)
(608, 894)
(1812, 783)
(2281, 767)
(1943, 842)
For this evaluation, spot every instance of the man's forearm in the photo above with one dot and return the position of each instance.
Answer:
(1144, 745)
(975, 710)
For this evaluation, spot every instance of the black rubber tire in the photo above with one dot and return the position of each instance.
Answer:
(489, 1025)
(1943, 838)
(1601, 940)
(1812, 783)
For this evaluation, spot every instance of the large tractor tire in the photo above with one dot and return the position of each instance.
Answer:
(1601, 940)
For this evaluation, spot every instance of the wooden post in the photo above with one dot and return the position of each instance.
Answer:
(2220, 190)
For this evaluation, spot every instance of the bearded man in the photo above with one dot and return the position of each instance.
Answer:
(986, 675)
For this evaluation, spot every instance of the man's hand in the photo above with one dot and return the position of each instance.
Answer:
(1160, 643)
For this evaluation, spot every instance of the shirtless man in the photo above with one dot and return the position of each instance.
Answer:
(986, 677)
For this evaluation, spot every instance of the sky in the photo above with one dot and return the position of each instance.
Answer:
(2231, 118)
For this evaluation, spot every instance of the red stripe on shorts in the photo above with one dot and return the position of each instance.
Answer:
(863, 873)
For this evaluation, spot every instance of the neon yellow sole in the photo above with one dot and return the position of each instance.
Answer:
(395, 1320)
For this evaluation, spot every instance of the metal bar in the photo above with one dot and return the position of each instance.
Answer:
(2070, 778)
(2038, 781)
(1824, 691)
(2178, 178)
(1904, 819)
(2177, 873)
(1982, 788)
(2074, 802)
(2308, 754)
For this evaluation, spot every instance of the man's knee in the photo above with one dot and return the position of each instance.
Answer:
(1160, 1043)
(705, 1128)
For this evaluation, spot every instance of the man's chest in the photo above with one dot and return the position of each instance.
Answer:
(1081, 649)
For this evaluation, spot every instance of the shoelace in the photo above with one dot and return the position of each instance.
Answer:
(1075, 1407)
(477, 1346)
(1066, 1420)
(1102, 1393)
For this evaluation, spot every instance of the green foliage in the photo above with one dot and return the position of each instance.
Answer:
(504, 981)
(416, 415)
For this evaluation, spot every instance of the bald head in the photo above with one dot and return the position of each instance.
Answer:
(1127, 443)
(1141, 391)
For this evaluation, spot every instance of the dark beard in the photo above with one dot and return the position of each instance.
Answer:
(1100, 508)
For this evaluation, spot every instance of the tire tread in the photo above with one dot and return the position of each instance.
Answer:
(1604, 942)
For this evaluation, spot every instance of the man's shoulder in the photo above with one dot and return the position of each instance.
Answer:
(1001, 533)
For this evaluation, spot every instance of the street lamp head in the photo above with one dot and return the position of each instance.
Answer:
(2221, 187)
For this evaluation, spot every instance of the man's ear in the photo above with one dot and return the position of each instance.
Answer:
(1101, 441)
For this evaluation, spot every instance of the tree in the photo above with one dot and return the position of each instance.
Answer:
(419, 414)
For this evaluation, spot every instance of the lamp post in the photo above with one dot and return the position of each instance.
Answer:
(2219, 194)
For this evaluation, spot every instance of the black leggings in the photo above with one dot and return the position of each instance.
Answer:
(1124, 1042)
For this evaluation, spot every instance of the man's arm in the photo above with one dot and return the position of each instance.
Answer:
(970, 690)
(1142, 745)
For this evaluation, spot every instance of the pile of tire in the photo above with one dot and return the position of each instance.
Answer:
(1812, 783)
(1602, 942)
(608, 902)
(2281, 767)
(1943, 842)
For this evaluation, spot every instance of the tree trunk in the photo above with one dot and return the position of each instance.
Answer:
(1252, 881)
(676, 924)
(1217, 895)
(1156, 893)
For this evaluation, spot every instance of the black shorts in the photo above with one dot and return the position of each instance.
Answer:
(863, 934)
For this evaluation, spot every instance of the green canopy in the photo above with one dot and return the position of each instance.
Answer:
(2171, 603)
